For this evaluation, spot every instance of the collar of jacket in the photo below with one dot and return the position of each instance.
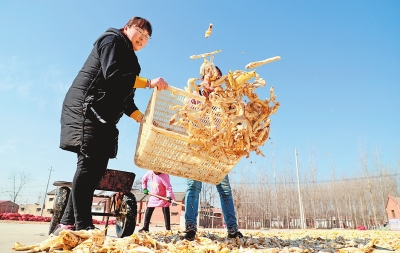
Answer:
(116, 32)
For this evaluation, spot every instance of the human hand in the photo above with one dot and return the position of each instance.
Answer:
(140, 118)
(145, 191)
(169, 199)
(159, 82)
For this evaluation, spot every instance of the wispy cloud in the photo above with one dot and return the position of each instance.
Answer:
(42, 85)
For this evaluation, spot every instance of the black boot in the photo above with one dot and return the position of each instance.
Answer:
(145, 228)
(167, 218)
(236, 234)
(190, 235)
(190, 232)
(147, 218)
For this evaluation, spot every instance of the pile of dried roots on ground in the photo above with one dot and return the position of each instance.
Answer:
(213, 241)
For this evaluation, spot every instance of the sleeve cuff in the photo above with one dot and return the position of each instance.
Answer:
(136, 115)
(140, 82)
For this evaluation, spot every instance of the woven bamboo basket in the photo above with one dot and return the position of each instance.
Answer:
(163, 147)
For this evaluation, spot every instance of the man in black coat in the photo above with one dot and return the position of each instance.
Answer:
(101, 93)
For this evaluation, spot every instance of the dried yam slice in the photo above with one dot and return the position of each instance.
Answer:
(209, 30)
(204, 55)
(22, 247)
(259, 63)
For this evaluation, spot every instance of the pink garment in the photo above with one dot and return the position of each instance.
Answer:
(159, 185)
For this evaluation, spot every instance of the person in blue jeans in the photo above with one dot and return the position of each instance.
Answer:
(192, 207)
(224, 191)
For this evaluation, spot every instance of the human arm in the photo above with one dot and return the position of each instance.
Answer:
(120, 68)
(168, 187)
(159, 82)
(130, 108)
(145, 178)
(120, 64)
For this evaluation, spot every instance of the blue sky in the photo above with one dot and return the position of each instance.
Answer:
(338, 81)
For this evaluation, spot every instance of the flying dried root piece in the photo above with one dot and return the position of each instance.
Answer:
(204, 55)
(192, 85)
(244, 77)
(232, 80)
(259, 63)
(209, 30)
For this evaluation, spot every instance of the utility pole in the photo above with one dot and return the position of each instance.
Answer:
(302, 219)
(45, 193)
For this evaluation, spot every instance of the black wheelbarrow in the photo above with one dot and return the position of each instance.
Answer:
(121, 204)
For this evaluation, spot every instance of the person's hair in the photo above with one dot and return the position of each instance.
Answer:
(220, 72)
(140, 22)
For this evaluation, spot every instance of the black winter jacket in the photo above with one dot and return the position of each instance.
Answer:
(99, 95)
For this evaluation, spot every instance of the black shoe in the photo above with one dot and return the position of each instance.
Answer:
(237, 234)
(190, 235)
(143, 230)
(92, 227)
(61, 227)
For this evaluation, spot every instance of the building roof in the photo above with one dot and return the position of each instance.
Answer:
(394, 198)
(53, 192)
(9, 202)
(397, 199)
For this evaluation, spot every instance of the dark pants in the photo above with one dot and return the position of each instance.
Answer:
(87, 176)
(149, 213)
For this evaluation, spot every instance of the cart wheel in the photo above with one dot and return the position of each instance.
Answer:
(126, 220)
(60, 203)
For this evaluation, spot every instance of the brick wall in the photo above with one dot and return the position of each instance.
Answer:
(392, 207)
(157, 219)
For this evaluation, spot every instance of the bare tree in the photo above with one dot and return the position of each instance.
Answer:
(39, 198)
(265, 196)
(313, 170)
(364, 168)
(18, 180)
(137, 185)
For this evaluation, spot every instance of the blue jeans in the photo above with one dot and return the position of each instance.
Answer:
(192, 204)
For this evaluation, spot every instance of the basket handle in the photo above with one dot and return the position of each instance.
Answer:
(153, 103)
